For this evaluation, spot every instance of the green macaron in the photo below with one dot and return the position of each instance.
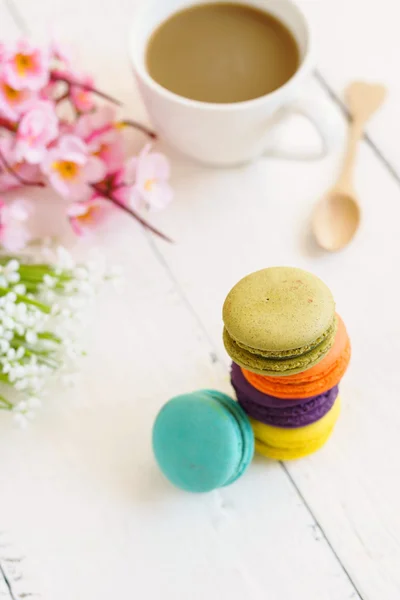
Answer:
(279, 321)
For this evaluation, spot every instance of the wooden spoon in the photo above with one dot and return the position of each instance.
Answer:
(337, 215)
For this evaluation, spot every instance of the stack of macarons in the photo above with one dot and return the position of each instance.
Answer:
(290, 350)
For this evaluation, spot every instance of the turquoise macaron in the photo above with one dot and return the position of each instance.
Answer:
(202, 441)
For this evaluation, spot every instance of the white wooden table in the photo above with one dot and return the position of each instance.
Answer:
(80, 491)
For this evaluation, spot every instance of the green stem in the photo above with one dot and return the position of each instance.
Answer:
(47, 335)
(7, 405)
(21, 298)
(42, 358)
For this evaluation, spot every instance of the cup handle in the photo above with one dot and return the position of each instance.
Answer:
(315, 111)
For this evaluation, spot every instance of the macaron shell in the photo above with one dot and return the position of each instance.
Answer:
(310, 411)
(198, 445)
(278, 367)
(246, 431)
(279, 309)
(201, 442)
(318, 379)
(285, 444)
(291, 453)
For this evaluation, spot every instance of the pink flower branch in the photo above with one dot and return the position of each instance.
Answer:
(9, 125)
(62, 97)
(131, 212)
(60, 76)
(139, 126)
(18, 177)
(81, 156)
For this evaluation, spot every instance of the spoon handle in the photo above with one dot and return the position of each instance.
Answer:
(363, 100)
(345, 180)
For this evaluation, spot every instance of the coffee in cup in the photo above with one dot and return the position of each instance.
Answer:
(222, 52)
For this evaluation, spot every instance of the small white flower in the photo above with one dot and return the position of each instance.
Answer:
(49, 296)
(49, 281)
(13, 277)
(20, 371)
(11, 266)
(35, 384)
(44, 370)
(11, 354)
(20, 289)
(20, 353)
(8, 322)
(3, 281)
(33, 402)
(10, 309)
(31, 337)
(4, 346)
(22, 308)
(21, 384)
(70, 287)
(31, 320)
(11, 297)
(64, 258)
(21, 407)
(31, 369)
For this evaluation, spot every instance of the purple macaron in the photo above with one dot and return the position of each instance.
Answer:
(277, 412)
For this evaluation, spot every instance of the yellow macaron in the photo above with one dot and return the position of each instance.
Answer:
(288, 444)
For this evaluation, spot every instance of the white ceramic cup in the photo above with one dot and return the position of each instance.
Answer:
(235, 133)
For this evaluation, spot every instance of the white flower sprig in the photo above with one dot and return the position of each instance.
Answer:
(40, 305)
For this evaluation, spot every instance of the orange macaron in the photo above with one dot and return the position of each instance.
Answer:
(320, 378)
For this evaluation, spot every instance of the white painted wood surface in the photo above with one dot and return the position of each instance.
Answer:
(80, 490)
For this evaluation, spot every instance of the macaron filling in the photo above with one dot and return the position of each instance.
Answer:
(291, 353)
(278, 366)
(245, 433)
(290, 417)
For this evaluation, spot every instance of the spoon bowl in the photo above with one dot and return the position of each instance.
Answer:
(337, 215)
(336, 220)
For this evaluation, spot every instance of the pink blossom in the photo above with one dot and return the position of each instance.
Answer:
(115, 186)
(81, 98)
(14, 231)
(150, 173)
(13, 102)
(70, 168)
(104, 139)
(37, 128)
(26, 66)
(28, 172)
(61, 52)
(84, 216)
(49, 91)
